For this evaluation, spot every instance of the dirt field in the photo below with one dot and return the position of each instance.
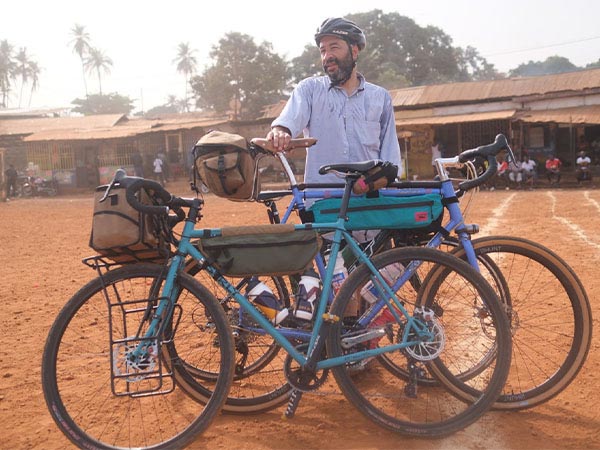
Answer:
(42, 244)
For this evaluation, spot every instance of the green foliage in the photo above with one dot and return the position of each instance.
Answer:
(552, 65)
(594, 65)
(103, 104)
(401, 53)
(243, 78)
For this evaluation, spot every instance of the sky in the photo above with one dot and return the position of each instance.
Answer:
(142, 37)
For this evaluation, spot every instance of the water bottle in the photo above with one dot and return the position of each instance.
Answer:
(390, 274)
(340, 273)
(264, 299)
(309, 291)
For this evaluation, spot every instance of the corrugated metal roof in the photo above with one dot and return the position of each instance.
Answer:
(28, 126)
(130, 128)
(455, 118)
(582, 114)
(497, 89)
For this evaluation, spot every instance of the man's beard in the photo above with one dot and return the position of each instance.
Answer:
(343, 71)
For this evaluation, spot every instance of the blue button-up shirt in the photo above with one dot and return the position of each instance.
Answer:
(348, 128)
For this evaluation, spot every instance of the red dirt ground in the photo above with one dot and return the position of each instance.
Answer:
(42, 244)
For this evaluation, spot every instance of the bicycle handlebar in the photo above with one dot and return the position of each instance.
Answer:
(265, 144)
(133, 185)
(488, 152)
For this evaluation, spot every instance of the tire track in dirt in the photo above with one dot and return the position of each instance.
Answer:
(575, 228)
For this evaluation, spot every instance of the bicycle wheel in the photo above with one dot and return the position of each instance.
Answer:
(259, 382)
(98, 397)
(396, 364)
(466, 321)
(550, 318)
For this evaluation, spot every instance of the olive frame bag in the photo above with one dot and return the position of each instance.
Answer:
(261, 250)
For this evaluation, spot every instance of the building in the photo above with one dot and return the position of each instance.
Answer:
(85, 151)
(541, 115)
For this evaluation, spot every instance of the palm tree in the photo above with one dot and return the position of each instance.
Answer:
(23, 62)
(81, 46)
(186, 64)
(97, 61)
(34, 71)
(7, 71)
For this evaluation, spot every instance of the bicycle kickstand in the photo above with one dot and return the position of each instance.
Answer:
(292, 405)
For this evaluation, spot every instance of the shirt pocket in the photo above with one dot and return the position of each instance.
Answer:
(368, 135)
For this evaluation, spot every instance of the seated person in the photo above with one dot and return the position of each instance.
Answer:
(528, 167)
(515, 174)
(553, 165)
(583, 167)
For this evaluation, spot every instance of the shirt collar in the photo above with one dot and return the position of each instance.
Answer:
(361, 84)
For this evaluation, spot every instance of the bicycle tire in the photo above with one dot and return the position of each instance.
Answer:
(497, 280)
(259, 383)
(96, 398)
(435, 410)
(551, 319)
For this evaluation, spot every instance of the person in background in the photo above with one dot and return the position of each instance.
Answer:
(158, 170)
(138, 164)
(165, 165)
(352, 119)
(436, 152)
(529, 170)
(582, 171)
(515, 174)
(553, 165)
(11, 181)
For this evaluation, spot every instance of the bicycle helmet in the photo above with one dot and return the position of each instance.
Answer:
(342, 28)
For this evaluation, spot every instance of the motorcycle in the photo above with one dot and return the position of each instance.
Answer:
(30, 186)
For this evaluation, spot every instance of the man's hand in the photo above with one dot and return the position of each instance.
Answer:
(280, 137)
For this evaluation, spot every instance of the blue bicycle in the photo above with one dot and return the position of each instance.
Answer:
(550, 344)
(119, 338)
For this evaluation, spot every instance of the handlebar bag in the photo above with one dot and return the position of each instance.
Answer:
(123, 234)
(227, 166)
(261, 250)
(381, 212)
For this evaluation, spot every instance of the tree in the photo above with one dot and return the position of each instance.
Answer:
(399, 51)
(22, 69)
(243, 79)
(552, 65)
(97, 61)
(81, 46)
(186, 64)
(473, 67)
(8, 69)
(174, 105)
(103, 104)
(34, 72)
(594, 65)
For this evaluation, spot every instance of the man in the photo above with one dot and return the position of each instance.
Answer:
(352, 120)
(11, 181)
(553, 169)
(583, 167)
(529, 166)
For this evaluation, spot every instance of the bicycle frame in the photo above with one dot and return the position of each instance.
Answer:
(186, 248)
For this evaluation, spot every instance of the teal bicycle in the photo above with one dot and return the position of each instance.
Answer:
(115, 339)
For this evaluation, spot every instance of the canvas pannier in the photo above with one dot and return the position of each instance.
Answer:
(227, 166)
(262, 250)
(123, 234)
(381, 212)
